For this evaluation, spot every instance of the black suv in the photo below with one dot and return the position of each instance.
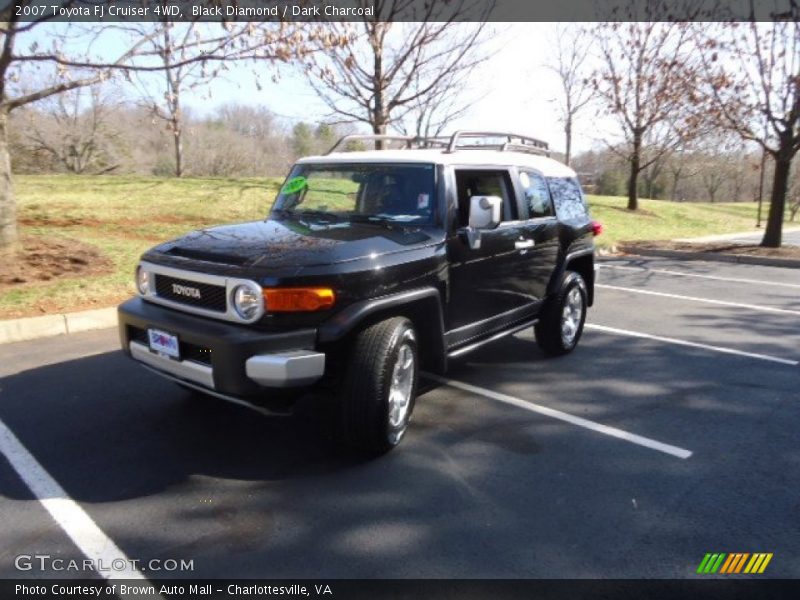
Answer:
(371, 267)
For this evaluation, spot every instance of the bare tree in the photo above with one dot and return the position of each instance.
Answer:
(713, 178)
(74, 129)
(389, 68)
(713, 162)
(571, 51)
(656, 149)
(681, 166)
(69, 55)
(642, 82)
(793, 195)
(738, 166)
(651, 175)
(266, 138)
(751, 75)
(429, 115)
(173, 45)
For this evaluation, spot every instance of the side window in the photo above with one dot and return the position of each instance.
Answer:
(483, 183)
(537, 195)
(568, 199)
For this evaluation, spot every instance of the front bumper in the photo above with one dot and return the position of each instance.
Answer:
(228, 359)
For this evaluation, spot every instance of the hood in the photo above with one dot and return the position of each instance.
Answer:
(293, 243)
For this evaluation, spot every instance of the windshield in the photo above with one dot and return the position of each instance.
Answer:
(379, 192)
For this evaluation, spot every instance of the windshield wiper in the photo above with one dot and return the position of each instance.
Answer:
(320, 214)
(310, 213)
(383, 220)
(280, 212)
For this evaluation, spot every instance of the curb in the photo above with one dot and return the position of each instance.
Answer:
(722, 237)
(764, 261)
(31, 328)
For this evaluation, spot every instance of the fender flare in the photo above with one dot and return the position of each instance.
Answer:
(348, 319)
(558, 275)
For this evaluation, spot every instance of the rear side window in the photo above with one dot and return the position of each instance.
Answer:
(483, 183)
(537, 195)
(568, 199)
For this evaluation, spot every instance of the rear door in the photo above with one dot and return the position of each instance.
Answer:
(539, 231)
(487, 288)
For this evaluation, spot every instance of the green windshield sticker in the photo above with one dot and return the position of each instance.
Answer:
(294, 185)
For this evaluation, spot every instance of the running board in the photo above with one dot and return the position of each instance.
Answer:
(497, 336)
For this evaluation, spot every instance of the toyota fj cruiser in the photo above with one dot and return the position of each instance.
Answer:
(372, 266)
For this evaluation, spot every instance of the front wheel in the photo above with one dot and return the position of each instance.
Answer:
(561, 323)
(377, 394)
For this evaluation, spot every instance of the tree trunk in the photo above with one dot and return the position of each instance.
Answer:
(633, 179)
(676, 176)
(177, 125)
(8, 203)
(777, 204)
(177, 136)
(568, 134)
(379, 109)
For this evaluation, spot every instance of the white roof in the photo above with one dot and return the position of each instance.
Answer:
(546, 166)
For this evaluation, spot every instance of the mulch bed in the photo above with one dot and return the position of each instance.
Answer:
(45, 259)
(792, 252)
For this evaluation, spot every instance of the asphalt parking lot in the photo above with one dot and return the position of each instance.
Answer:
(671, 432)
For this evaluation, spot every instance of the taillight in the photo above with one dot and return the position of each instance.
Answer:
(597, 228)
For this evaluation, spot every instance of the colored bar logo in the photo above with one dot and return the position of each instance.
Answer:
(733, 563)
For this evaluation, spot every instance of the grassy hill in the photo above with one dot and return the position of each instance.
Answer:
(663, 220)
(119, 217)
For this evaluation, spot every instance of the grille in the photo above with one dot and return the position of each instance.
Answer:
(196, 353)
(189, 351)
(212, 297)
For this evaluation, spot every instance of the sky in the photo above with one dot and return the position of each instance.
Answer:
(518, 99)
(515, 89)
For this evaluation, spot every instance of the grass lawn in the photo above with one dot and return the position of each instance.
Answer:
(662, 220)
(123, 216)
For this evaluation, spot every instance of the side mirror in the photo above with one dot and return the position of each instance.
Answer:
(485, 211)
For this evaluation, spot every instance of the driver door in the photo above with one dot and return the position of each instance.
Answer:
(488, 289)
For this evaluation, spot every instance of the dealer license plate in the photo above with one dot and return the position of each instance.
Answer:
(164, 343)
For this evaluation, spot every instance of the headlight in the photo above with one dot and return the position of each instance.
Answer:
(142, 281)
(247, 300)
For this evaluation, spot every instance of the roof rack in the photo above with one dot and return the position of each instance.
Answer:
(514, 142)
(409, 141)
(502, 141)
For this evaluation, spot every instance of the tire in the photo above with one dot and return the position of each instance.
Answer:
(560, 325)
(377, 394)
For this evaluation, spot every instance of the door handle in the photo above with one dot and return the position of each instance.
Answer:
(524, 244)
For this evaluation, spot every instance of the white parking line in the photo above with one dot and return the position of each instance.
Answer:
(562, 416)
(77, 524)
(699, 276)
(757, 307)
(658, 338)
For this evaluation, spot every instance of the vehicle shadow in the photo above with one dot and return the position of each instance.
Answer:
(112, 430)
(479, 489)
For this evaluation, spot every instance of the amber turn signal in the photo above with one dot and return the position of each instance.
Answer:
(298, 299)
